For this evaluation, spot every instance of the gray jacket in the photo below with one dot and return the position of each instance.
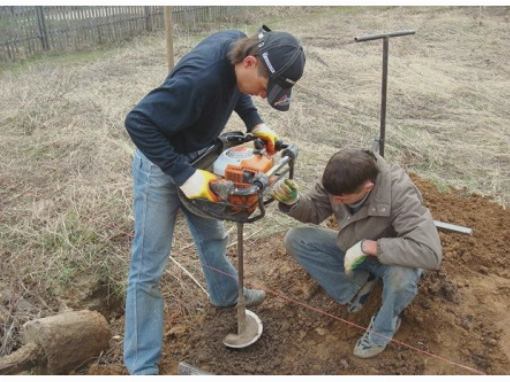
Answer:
(393, 215)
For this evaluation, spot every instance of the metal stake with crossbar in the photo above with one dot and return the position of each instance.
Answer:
(379, 143)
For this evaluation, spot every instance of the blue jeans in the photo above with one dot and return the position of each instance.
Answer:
(155, 208)
(316, 250)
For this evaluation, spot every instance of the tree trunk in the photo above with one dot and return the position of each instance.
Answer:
(60, 343)
(69, 339)
(25, 358)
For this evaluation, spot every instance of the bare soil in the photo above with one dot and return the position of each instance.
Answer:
(458, 323)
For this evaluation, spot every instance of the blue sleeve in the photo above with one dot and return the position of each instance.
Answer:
(159, 115)
(248, 112)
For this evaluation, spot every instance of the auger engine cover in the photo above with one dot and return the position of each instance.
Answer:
(239, 167)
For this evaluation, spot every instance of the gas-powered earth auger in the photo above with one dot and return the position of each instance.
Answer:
(245, 176)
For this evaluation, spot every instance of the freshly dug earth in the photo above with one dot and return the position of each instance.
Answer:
(461, 314)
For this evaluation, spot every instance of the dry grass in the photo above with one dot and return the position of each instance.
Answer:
(65, 186)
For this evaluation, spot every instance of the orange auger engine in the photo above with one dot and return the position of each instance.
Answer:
(244, 174)
(239, 166)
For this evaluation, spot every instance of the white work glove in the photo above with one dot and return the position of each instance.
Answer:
(354, 257)
(285, 191)
(197, 186)
(267, 135)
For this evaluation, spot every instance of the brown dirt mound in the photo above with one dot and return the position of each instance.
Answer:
(460, 314)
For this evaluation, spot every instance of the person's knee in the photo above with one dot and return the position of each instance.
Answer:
(211, 238)
(294, 240)
(402, 280)
(206, 231)
(145, 286)
(289, 240)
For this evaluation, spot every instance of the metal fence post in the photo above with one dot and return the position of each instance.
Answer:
(41, 24)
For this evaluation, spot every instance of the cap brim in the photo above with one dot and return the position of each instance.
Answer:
(278, 96)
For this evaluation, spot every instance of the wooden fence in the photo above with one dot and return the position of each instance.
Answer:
(25, 31)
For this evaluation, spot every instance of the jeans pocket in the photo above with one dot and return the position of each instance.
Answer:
(147, 172)
(143, 164)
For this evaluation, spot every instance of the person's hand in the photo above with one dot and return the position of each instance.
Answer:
(197, 186)
(268, 136)
(354, 257)
(286, 192)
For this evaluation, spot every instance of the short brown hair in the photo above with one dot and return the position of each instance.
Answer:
(348, 170)
(246, 46)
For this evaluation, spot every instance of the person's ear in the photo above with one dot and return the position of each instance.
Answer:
(368, 186)
(249, 61)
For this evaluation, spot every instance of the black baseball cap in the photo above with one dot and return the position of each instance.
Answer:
(283, 56)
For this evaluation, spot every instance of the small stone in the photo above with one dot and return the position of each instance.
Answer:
(491, 342)
(344, 363)
(176, 330)
(467, 322)
(284, 325)
(483, 270)
(449, 292)
(117, 337)
(320, 331)
(200, 357)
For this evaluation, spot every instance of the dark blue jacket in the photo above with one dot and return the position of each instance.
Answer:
(191, 108)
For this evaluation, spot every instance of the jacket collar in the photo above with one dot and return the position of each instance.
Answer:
(379, 200)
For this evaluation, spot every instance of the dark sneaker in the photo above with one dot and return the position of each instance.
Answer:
(364, 348)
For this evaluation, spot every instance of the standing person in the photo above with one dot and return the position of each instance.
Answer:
(384, 232)
(170, 127)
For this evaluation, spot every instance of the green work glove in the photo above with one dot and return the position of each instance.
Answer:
(286, 192)
(354, 257)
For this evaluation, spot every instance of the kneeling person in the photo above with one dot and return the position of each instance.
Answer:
(384, 232)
